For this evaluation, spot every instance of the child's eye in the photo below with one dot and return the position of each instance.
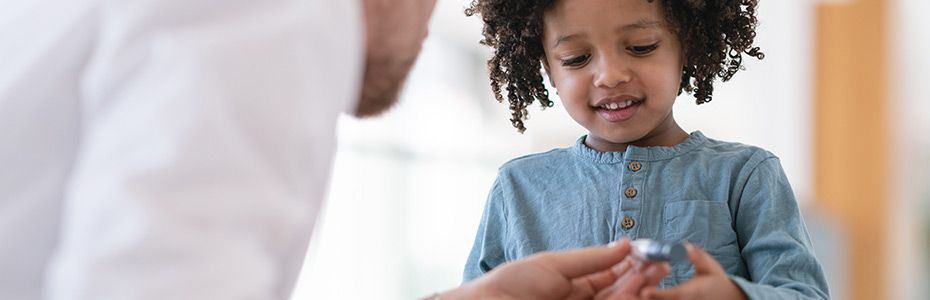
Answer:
(641, 50)
(576, 61)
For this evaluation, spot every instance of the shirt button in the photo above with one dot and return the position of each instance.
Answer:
(627, 223)
(635, 166)
(630, 192)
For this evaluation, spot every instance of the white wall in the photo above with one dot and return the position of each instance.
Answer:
(910, 132)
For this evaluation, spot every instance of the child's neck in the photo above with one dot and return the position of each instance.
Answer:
(671, 136)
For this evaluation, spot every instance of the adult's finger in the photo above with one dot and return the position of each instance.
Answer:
(600, 280)
(656, 272)
(587, 286)
(584, 261)
(628, 284)
(634, 281)
(653, 293)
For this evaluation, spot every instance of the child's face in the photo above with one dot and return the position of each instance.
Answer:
(617, 68)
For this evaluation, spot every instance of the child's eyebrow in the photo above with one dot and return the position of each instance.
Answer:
(565, 38)
(641, 24)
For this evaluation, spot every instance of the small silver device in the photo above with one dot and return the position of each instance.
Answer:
(652, 250)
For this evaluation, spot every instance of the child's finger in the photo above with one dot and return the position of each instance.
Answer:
(703, 262)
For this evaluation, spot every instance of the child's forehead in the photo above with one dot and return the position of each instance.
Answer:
(609, 12)
(573, 17)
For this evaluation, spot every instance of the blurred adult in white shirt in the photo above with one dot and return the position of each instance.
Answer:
(179, 149)
(167, 149)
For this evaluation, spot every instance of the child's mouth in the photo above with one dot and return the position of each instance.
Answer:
(618, 111)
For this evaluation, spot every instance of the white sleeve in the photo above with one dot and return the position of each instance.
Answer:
(208, 134)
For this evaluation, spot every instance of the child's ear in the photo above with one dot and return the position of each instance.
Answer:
(545, 64)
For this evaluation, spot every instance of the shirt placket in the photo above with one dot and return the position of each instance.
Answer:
(631, 198)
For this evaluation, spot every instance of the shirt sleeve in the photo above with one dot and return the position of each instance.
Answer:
(207, 139)
(488, 250)
(773, 239)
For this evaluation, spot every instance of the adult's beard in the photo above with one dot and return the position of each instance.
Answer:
(383, 81)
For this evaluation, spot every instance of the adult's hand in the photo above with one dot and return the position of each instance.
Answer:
(574, 274)
(633, 275)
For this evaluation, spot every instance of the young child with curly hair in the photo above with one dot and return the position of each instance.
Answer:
(618, 66)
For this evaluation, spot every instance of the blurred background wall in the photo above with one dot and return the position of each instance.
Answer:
(839, 98)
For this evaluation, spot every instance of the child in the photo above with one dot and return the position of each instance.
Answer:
(618, 66)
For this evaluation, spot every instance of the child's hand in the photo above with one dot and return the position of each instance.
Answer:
(710, 281)
(631, 276)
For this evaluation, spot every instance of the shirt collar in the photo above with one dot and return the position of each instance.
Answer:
(695, 140)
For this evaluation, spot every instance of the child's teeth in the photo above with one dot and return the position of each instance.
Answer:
(615, 105)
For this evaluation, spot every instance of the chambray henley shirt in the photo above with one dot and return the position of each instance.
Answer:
(731, 199)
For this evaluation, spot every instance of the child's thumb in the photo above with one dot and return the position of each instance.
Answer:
(703, 262)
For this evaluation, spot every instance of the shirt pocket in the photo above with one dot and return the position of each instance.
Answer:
(704, 223)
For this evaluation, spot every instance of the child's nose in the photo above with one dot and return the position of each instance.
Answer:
(611, 71)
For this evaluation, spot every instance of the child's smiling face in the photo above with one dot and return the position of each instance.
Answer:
(617, 68)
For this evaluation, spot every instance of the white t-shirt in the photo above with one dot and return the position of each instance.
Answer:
(167, 149)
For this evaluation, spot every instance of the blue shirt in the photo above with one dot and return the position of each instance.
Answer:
(731, 199)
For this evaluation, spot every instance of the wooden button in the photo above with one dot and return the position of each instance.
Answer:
(627, 223)
(635, 166)
(630, 192)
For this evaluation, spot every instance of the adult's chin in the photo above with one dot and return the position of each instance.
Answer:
(383, 81)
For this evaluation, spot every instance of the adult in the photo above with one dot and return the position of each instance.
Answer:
(179, 149)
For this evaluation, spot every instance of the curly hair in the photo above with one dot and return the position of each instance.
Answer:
(714, 36)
